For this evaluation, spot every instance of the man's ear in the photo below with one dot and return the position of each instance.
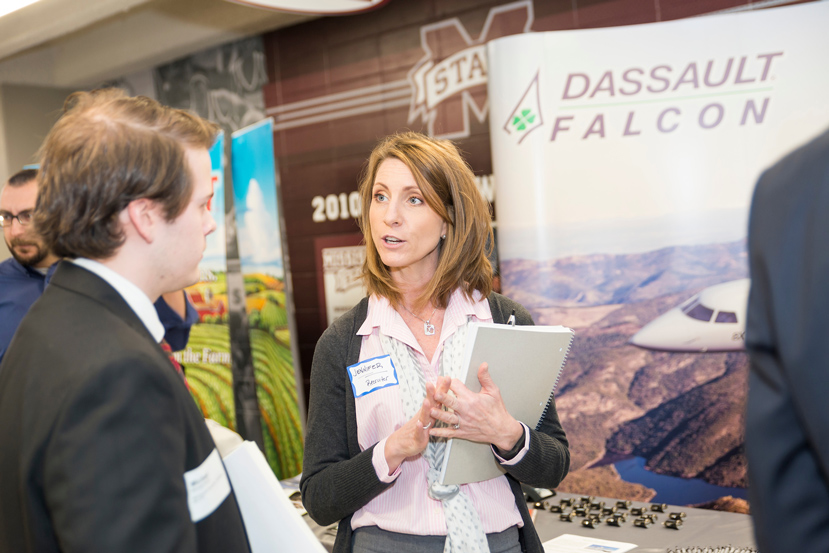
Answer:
(143, 215)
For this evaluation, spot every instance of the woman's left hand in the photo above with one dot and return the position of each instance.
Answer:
(480, 417)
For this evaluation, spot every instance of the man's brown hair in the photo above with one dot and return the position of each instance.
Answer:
(107, 150)
(448, 186)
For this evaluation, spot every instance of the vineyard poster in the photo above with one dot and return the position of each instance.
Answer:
(206, 358)
(267, 296)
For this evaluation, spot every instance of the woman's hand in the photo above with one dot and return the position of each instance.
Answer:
(413, 437)
(480, 417)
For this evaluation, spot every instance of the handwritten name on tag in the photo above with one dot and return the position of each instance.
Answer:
(371, 375)
(207, 486)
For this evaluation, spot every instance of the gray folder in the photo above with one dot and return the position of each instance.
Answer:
(525, 362)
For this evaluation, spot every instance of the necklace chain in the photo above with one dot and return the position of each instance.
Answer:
(428, 328)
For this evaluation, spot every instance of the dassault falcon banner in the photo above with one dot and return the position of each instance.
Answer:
(624, 162)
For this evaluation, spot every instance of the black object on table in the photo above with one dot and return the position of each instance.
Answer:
(666, 528)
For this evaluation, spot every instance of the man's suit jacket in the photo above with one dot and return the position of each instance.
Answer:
(96, 433)
(787, 337)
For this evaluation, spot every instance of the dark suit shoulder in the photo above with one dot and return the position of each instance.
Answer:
(107, 431)
(806, 168)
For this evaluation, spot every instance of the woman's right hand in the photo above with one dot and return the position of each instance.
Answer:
(413, 437)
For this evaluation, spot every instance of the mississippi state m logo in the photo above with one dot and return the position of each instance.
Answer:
(450, 79)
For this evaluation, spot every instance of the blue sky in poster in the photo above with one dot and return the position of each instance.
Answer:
(254, 193)
(215, 258)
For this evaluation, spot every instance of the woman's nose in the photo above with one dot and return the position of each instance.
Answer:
(392, 216)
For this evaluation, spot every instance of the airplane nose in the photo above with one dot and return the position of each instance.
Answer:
(665, 333)
(647, 337)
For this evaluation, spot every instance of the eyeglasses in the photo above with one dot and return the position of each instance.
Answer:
(24, 218)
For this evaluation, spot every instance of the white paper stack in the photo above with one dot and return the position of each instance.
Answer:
(271, 520)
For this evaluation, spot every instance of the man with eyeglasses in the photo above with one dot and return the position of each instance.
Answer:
(24, 275)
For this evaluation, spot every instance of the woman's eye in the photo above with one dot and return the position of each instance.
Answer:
(380, 197)
(415, 201)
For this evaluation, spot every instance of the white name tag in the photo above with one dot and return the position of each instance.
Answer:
(371, 375)
(207, 486)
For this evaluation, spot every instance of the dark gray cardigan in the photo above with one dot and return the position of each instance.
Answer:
(338, 478)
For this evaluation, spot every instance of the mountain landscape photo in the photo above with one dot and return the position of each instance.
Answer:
(680, 413)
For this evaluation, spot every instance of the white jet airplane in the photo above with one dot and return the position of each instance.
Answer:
(713, 320)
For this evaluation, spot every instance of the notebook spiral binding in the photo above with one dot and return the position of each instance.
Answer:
(555, 385)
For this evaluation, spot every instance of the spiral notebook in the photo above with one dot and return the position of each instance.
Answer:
(525, 362)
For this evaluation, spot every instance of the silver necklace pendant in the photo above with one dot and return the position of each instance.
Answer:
(428, 328)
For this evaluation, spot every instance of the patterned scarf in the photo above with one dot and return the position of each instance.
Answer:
(465, 531)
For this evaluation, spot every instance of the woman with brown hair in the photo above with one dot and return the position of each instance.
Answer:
(383, 372)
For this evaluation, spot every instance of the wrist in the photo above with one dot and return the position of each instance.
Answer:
(515, 431)
(393, 458)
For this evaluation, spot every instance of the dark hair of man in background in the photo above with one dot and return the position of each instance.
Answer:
(22, 177)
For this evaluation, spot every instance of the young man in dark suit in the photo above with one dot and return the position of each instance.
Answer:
(101, 447)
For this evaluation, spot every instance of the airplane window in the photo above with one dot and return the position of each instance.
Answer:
(700, 312)
(690, 304)
(726, 317)
(687, 304)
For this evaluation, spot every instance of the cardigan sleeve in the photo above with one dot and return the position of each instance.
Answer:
(337, 478)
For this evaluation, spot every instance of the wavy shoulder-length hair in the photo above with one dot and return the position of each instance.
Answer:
(448, 187)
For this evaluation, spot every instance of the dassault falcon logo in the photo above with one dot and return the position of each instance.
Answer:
(450, 79)
(526, 117)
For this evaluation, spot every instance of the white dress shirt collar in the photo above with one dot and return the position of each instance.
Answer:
(132, 294)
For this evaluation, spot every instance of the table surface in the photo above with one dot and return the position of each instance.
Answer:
(700, 528)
